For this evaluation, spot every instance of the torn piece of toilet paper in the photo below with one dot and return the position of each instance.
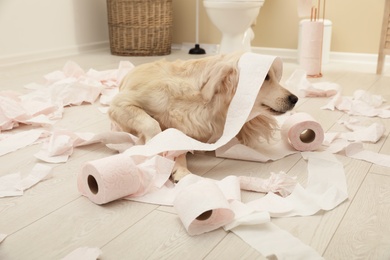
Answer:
(84, 253)
(298, 80)
(59, 147)
(13, 185)
(14, 110)
(20, 140)
(362, 103)
(356, 151)
(350, 143)
(359, 133)
(371, 134)
(38, 173)
(7, 185)
(326, 188)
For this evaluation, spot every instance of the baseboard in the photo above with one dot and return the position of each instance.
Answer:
(339, 57)
(292, 54)
(354, 57)
(51, 54)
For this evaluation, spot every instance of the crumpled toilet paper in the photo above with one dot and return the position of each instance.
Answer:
(280, 183)
(361, 103)
(298, 80)
(44, 104)
(326, 188)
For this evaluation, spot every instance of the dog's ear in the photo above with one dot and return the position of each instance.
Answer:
(277, 65)
(222, 77)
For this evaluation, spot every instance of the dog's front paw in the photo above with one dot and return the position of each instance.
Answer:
(179, 173)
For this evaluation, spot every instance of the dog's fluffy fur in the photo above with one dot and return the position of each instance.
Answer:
(193, 96)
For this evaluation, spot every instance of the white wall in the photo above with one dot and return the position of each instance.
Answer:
(30, 29)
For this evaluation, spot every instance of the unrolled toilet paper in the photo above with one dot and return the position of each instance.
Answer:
(302, 132)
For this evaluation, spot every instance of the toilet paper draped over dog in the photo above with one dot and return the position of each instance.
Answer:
(253, 70)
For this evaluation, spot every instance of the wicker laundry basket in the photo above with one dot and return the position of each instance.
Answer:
(140, 27)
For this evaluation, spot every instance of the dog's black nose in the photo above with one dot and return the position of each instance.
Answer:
(293, 99)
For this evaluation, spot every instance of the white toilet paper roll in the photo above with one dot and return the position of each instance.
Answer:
(108, 179)
(302, 132)
(311, 47)
(209, 208)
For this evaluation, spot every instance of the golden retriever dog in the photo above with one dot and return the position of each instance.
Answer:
(193, 96)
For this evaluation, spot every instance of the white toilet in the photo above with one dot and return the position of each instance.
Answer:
(234, 18)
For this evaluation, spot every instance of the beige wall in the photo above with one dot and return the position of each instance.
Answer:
(42, 28)
(356, 24)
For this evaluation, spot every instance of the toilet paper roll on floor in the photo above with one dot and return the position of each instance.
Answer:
(109, 178)
(202, 207)
(302, 132)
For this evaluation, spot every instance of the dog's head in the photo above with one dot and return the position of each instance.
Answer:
(272, 100)
(272, 97)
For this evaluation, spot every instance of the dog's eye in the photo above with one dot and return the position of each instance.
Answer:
(267, 77)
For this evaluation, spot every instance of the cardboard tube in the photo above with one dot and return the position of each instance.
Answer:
(108, 179)
(302, 132)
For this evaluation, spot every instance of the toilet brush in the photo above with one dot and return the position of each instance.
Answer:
(197, 49)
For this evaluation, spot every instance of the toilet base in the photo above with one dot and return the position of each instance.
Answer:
(238, 42)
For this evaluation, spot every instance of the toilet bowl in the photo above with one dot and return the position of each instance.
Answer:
(233, 18)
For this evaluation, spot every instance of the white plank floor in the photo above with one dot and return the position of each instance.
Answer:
(52, 218)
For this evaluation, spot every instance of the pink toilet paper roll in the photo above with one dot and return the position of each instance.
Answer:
(108, 179)
(202, 207)
(311, 47)
(302, 132)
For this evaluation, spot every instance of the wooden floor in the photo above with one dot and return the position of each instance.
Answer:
(52, 219)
